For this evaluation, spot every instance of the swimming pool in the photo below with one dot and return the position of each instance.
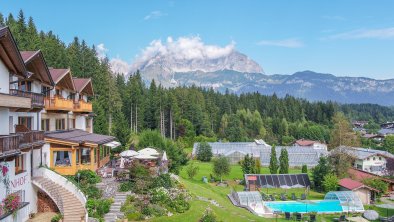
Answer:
(319, 206)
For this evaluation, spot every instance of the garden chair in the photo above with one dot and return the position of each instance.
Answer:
(287, 216)
(342, 218)
(312, 217)
(303, 196)
(272, 197)
(293, 196)
(298, 217)
(283, 197)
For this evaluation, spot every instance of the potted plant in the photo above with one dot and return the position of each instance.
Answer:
(11, 204)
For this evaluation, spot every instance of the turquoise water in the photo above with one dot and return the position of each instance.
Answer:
(323, 206)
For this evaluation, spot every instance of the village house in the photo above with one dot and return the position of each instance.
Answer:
(310, 143)
(360, 175)
(46, 120)
(366, 194)
(369, 160)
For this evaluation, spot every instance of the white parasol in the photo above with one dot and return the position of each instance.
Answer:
(149, 151)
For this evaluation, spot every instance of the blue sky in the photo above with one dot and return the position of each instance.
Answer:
(346, 38)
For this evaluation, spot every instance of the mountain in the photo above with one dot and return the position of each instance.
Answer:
(239, 74)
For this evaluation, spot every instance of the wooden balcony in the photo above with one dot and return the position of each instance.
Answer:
(31, 138)
(9, 145)
(37, 99)
(58, 104)
(15, 101)
(82, 107)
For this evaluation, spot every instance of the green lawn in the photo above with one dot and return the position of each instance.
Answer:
(227, 211)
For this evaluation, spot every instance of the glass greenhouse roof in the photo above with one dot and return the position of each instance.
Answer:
(251, 198)
(348, 200)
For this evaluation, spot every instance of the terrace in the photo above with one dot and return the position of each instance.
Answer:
(37, 99)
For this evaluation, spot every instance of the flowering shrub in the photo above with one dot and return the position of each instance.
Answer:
(11, 203)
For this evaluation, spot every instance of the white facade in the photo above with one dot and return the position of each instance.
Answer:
(375, 164)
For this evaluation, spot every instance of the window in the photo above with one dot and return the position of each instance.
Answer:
(60, 124)
(19, 164)
(77, 153)
(58, 92)
(46, 91)
(26, 121)
(72, 96)
(368, 159)
(62, 158)
(359, 167)
(95, 155)
(45, 124)
(374, 158)
(87, 120)
(25, 86)
(380, 158)
(72, 124)
(85, 156)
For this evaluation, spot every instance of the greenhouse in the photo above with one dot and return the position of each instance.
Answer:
(298, 156)
(349, 201)
(251, 200)
(286, 181)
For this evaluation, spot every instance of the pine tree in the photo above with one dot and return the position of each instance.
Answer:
(273, 161)
(284, 161)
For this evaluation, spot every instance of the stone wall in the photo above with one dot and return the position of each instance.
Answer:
(45, 203)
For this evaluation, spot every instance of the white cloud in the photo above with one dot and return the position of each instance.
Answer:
(182, 48)
(385, 33)
(101, 51)
(154, 15)
(119, 66)
(288, 43)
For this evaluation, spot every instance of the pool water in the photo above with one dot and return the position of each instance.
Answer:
(322, 206)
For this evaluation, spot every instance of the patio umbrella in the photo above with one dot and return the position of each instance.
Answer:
(121, 163)
(149, 151)
(145, 157)
(129, 153)
(297, 186)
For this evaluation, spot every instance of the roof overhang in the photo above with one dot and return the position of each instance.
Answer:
(9, 54)
(36, 64)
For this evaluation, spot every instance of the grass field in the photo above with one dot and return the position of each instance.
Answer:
(227, 211)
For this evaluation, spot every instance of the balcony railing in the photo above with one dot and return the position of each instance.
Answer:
(9, 144)
(58, 104)
(37, 99)
(31, 137)
(82, 106)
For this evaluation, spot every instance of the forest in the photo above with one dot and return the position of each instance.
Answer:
(127, 104)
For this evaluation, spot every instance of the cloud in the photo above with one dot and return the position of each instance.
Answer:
(288, 43)
(101, 51)
(385, 33)
(119, 66)
(334, 17)
(183, 48)
(154, 15)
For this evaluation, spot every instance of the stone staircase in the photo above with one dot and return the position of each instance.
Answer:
(69, 205)
(114, 212)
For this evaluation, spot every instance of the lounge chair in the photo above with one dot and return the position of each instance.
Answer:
(293, 196)
(264, 197)
(312, 217)
(287, 216)
(272, 197)
(342, 218)
(298, 217)
(303, 196)
(283, 197)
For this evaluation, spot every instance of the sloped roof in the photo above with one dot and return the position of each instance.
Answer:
(79, 136)
(303, 142)
(353, 184)
(251, 148)
(83, 86)
(360, 175)
(35, 63)
(63, 78)
(9, 53)
(298, 155)
(362, 153)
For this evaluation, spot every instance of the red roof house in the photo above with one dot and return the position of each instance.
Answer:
(364, 192)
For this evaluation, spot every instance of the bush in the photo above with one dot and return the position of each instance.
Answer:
(179, 204)
(304, 169)
(377, 184)
(157, 210)
(135, 216)
(330, 182)
(87, 176)
(192, 170)
(126, 186)
(56, 218)
(98, 208)
(208, 216)
(91, 191)
(204, 152)
(163, 180)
